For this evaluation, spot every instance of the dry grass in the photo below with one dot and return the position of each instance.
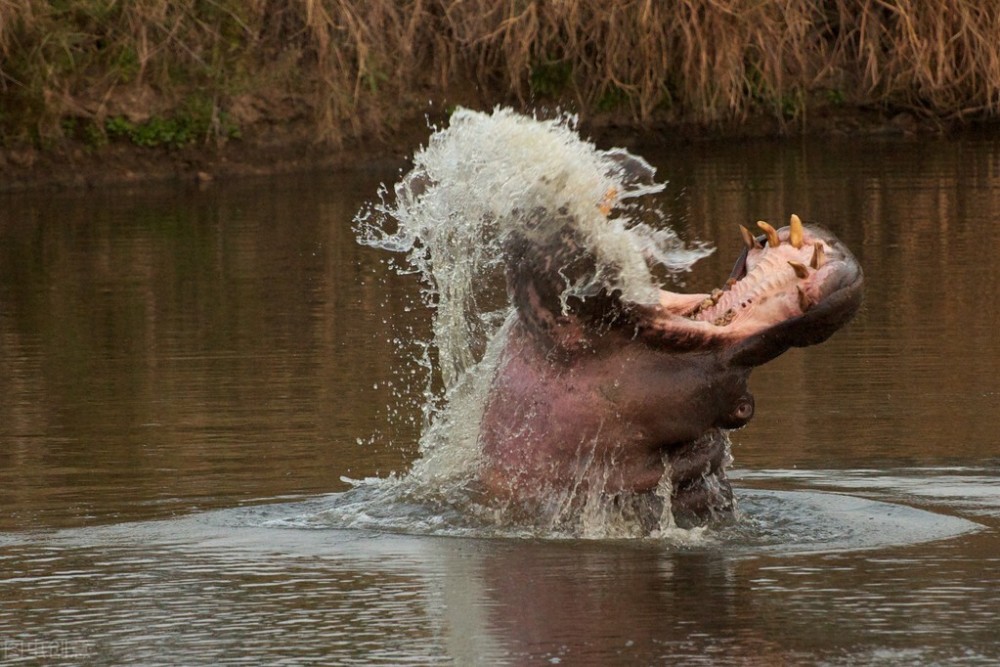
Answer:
(941, 56)
(345, 66)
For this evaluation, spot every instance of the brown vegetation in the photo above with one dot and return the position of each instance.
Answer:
(159, 72)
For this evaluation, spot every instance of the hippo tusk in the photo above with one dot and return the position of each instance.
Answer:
(795, 231)
(772, 234)
(748, 239)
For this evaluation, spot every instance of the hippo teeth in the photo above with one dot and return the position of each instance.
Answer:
(795, 231)
(805, 303)
(819, 257)
(744, 286)
(800, 269)
(772, 234)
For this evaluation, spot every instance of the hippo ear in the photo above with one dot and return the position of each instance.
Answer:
(632, 170)
(541, 267)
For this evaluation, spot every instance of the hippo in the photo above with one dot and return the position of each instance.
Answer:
(592, 394)
(598, 396)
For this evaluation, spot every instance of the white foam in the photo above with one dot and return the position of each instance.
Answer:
(472, 185)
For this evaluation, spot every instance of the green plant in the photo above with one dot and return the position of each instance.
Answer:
(170, 132)
(612, 99)
(93, 137)
(550, 78)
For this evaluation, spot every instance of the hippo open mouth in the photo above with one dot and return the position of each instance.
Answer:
(791, 287)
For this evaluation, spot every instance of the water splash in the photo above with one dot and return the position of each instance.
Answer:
(484, 177)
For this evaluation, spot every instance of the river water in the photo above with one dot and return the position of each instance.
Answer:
(189, 378)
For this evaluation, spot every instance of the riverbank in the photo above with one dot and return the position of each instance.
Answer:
(268, 150)
(93, 91)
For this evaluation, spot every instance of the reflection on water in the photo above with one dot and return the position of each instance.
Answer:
(182, 349)
(232, 585)
(164, 352)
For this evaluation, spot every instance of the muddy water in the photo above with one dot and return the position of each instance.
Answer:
(186, 376)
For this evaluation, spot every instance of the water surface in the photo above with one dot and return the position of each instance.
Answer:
(187, 373)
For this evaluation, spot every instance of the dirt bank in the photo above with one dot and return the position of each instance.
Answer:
(76, 165)
(272, 150)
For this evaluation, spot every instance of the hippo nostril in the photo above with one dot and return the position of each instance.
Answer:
(741, 413)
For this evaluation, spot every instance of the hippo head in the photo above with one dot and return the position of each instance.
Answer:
(597, 396)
